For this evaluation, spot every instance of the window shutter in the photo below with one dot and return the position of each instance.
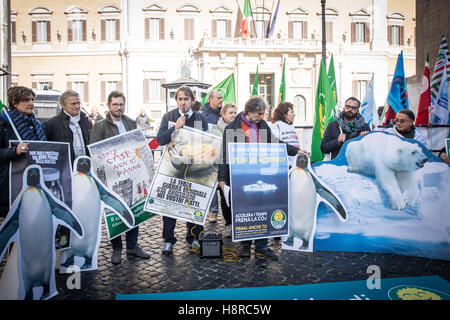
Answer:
(86, 91)
(191, 29)
(355, 88)
(402, 35)
(186, 29)
(389, 34)
(305, 29)
(117, 29)
(290, 29)
(103, 89)
(161, 29)
(69, 85)
(34, 84)
(119, 86)
(228, 28)
(329, 30)
(13, 32)
(84, 29)
(34, 31)
(214, 29)
(146, 90)
(49, 39)
(103, 29)
(69, 31)
(366, 33)
(353, 32)
(147, 28)
(163, 91)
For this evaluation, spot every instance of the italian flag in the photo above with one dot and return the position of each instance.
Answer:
(246, 20)
(423, 109)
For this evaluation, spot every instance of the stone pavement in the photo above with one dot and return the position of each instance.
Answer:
(186, 271)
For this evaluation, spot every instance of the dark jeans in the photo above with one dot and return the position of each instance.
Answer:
(169, 230)
(260, 244)
(226, 210)
(131, 239)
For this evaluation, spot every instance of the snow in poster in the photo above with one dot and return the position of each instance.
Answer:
(401, 207)
(259, 190)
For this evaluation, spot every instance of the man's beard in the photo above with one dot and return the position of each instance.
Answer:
(349, 116)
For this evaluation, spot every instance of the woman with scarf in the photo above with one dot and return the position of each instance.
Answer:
(70, 125)
(349, 125)
(21, 106)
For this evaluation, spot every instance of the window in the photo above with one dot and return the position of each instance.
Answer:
(297, 30)
(154, 28)
(153, 91)
(329, 31)
(299, 103)
(189, 32)
(40, 24)
(109, 83)
(110, 30)
(221, 28)
(76, 24)
(265, 86)
(360, 88)
(396, 35)
(359, 32)
(80, 87)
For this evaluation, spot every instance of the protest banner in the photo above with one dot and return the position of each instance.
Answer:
(186, 179)
(390, 196)
(54, 159)
(124, 163)
(259, 190)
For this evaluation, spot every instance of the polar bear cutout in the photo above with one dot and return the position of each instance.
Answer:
(392, 161)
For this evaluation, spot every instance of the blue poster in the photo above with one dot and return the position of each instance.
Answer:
(396, 196)
(259, 190)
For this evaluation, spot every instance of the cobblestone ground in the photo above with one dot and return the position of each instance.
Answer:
(185, 271)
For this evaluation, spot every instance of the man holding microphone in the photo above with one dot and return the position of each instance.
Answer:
(184, 115)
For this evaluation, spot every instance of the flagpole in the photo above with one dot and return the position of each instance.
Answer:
(270, 18)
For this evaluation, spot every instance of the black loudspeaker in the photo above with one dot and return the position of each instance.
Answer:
(211, 245)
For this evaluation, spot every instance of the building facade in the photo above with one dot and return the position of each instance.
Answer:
(136, 46)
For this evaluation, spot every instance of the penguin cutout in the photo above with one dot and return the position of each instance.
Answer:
(88, 194)
(306, 193)
(30, 223)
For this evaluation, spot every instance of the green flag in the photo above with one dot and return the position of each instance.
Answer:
(332, 79)
(322, 115)
(255, 84)
(227, 88)
(282, 96)
(2, 106)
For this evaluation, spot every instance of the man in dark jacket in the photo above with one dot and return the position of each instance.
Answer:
(249, 127)
(349, 124)
(211, 109)
(182, 116)
(117, 123)
(70, 125)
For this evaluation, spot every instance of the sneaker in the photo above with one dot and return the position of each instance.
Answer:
(116, 256)
(212, 217)
(267, 254)
(228, 231)
(138, 252)
(244, 251)
(167, 248)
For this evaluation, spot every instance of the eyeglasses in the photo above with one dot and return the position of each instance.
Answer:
(351, 107)
(117, 104)
(401, 120)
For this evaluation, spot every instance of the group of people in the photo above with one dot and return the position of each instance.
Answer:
(73, 126)
(70, 125)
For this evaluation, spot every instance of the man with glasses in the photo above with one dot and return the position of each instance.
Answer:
(404, 127)
(114, 124)
(349, 124)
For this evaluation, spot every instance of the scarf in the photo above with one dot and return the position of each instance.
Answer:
(409, 134)
(221, 124)
(78, 142)
(253, 135)
(351, 128)
(28, 126)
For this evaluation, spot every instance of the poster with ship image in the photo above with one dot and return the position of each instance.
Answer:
(54, 159)
(124, 163)
(186, 178)
(259, 190)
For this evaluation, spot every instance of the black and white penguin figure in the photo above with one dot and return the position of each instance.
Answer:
(30, 224)
(306, 193)
(89, 193)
